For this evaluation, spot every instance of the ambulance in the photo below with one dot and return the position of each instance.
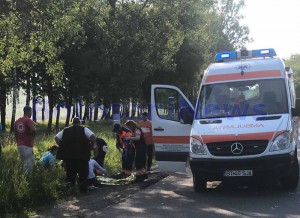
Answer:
(241, 128)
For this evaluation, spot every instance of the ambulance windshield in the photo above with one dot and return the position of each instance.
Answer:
(242, 98)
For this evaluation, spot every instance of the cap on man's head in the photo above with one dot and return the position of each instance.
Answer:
(145, 114)
(26, 108)
(116, 128)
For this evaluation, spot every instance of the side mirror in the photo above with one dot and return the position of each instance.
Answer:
(296, 110)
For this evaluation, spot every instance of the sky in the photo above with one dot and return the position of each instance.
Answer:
(274, 24)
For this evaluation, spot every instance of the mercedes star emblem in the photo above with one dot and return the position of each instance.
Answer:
(236, 148)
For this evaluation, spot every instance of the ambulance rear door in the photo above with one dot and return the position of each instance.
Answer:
(172, 117)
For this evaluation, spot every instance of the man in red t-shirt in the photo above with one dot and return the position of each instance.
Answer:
(146, 127)
(25, 134)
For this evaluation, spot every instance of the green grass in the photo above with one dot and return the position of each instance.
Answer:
(22, 195)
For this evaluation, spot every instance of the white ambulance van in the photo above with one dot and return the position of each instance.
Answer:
(242, 125)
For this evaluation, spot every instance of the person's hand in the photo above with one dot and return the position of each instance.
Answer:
(105, 148)
(95, 146)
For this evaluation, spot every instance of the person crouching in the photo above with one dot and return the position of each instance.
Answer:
(48, 159)
(91, 179)
(127, 149)
(138, 140)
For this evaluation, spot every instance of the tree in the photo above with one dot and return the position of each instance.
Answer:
(294, 62)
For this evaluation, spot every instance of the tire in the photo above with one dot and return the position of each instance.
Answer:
(291, 181)
(199, 184)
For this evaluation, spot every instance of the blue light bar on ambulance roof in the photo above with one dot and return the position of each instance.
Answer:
(235, 55)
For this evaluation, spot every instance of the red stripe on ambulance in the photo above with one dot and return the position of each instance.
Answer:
(239, 76)
(238, 137)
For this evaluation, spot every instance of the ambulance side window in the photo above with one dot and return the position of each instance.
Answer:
(171, 105)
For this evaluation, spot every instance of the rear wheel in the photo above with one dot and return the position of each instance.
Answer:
(199, 184)
(291, 181)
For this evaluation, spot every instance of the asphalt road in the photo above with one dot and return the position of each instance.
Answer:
(174, 197)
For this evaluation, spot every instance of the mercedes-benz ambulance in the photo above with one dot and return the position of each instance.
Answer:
(241, 128)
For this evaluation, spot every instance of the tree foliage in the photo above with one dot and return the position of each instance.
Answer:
(294, 62)
(113, 50)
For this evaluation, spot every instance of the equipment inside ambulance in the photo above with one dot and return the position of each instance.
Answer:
(241, 128)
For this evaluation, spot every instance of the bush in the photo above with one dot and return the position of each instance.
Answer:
(20, 193)
(14, 186)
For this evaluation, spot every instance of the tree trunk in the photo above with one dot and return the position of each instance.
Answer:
(69, 106)
(80, 108)
(96, 111)
(34, 100)
(3, 106)
(49, 127)
(86, 112)
(43, 109)
(51, 104)
(73, 111)
(14, 105)
(28, 89)
(68, 115)
(57, 117)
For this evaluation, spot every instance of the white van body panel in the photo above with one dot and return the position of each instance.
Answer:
(170, 136)
(239, 129)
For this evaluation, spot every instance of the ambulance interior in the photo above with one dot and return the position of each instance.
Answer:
(242, 98)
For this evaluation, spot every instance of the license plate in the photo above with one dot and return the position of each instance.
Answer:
(229, 173)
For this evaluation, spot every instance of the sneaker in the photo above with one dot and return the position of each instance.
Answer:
(91, 187)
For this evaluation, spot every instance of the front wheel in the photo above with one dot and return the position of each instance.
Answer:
(291, 181)
(199, 184)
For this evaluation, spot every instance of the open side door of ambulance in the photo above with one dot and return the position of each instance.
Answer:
(172, 117)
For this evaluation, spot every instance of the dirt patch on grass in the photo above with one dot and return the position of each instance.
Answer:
(99, 199)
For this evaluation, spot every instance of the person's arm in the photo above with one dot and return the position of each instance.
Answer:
(93, 139)
(51, 160)
(15, 130)
(57, 140)
(58, 137)
(97, 166)
(137, 135)
(91, 136)
(32, 128)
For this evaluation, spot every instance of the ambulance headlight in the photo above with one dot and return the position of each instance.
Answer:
(196, 146)
(281, 142)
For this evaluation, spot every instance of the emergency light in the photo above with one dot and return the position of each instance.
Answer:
(236, 55)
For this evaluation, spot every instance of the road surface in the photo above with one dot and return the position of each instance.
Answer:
(174, 197)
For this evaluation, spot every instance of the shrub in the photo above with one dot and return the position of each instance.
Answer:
(20, 193)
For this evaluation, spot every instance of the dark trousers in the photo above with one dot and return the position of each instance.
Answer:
(80, 167)
(128, 158)
(140, 158)
(100, 158)
(150, 149)
(93, 182)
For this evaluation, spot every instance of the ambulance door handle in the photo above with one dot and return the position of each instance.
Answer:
(159, 129)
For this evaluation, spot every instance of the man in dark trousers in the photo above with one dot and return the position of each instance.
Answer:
(75, 147)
